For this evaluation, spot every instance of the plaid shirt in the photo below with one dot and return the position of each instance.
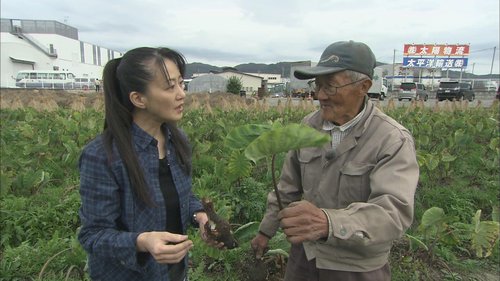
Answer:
(112, 217)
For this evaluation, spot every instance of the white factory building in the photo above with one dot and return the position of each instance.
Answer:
(47, 45)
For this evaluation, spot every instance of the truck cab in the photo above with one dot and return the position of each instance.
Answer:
(378, 90)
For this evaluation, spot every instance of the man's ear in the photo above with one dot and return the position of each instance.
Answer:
(365, 86)
(137, 99)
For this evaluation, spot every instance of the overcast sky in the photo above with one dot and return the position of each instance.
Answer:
(230, 32)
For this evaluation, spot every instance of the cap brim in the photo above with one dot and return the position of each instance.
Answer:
(315, 71)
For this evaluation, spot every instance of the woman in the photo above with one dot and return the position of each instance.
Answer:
(135, 178)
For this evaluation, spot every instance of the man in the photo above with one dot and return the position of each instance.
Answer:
(97, 85)
(349, 200)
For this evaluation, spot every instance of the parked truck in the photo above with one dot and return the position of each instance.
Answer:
(378, 90)
(297, 87)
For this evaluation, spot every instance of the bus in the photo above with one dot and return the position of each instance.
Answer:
(45, 79)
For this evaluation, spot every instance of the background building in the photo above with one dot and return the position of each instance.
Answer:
(47, 45)
(207, 83)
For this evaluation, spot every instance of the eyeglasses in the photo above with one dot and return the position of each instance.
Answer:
(331, 90)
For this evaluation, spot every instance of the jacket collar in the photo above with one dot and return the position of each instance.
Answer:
(142, 139)
(350, 140)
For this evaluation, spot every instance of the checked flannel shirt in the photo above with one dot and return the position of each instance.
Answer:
(112, 217)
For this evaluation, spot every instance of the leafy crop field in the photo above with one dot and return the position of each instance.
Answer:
(454, 235)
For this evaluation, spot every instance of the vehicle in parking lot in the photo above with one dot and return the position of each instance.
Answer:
(413, 91)
(378, 90)
(455, 90)
(484, 85)
(84, 83)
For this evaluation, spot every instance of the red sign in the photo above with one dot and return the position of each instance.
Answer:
(435, 50)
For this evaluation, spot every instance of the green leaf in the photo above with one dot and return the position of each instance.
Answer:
(447, 157)
(424, 140)
(238, 165)
(461, 139)
(476, 219)
(246, 232)
(277, 252)
(431, 162)
(240, 137)
(484, 238)
(494, 144)
(290, 137)
(418, 242)
(495, 214)
(479, 126)
(432, 217)
(421, 159)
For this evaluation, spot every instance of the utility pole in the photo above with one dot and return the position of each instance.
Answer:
(393, 70)
(492, 62)
(473, 78)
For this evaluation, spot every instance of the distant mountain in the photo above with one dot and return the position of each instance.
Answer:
(283, 68)
(198, 67)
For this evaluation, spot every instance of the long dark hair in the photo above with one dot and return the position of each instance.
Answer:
(133, 72)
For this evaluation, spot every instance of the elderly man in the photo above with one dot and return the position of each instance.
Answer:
(349, 200)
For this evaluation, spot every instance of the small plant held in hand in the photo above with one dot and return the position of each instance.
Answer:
(260, 141)
(217, 228)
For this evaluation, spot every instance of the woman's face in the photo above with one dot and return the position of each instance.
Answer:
(164, 100)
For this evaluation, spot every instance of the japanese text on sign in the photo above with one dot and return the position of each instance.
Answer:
(435, 50)
(435, 62)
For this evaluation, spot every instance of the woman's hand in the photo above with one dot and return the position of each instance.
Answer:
(202, 219)
(165, 247)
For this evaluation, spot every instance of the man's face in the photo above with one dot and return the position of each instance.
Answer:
(341, 104)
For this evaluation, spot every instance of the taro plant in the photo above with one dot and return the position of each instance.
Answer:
(438, 229)
(260, 141)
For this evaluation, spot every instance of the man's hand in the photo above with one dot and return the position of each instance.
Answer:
(259, 245)
(302, 221)
(165, 247)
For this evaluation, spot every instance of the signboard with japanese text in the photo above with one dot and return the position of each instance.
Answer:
(435, 50)
(435, 62)
(435, 55)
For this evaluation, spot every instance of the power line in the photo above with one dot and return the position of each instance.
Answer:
(482, 50)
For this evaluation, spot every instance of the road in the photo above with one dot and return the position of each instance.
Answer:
(485, 102)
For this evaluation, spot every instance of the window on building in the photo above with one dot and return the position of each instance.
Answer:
(98, 55)
(94, 52)
(82, 52)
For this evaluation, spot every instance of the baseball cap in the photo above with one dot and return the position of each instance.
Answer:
(342, 55)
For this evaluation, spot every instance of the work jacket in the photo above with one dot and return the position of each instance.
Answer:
(366, 186)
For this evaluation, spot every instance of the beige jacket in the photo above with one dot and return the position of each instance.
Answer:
(366, 188)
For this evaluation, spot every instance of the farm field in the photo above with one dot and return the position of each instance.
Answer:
(455, 235)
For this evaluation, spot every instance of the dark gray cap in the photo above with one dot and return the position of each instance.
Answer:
(340, 56)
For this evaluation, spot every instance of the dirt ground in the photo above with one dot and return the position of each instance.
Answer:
(45, 99)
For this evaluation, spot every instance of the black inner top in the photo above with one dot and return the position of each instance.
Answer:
(174, 225)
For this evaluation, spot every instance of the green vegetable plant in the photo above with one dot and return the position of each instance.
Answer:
(260, 141)
(437, 228)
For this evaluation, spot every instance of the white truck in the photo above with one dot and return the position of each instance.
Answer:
(378, 89)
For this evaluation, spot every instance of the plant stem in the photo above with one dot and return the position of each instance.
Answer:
(280, 205)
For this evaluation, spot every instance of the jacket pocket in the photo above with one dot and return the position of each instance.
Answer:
(354, 183)
(310, 167)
